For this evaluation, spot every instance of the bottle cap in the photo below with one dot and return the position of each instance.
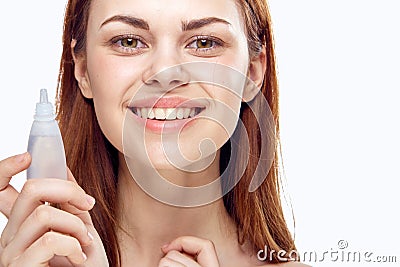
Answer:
(44, 109)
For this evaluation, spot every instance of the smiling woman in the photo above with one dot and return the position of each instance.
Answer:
(157, 100)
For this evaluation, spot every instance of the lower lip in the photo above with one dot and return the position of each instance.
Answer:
(164, 126)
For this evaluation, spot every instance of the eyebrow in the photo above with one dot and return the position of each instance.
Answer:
(135, 22)
(199, 23)
(186, 25)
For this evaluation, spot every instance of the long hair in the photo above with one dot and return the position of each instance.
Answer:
(259, 215)
(94, 161)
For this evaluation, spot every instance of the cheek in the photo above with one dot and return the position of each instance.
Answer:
(226, 101)
(227, 98)
(228, 85)
(232, 78)
(108, 72)
(110, 118)
(224, 115)
(111, 82)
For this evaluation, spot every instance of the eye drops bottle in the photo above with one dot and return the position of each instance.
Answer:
(45, 143)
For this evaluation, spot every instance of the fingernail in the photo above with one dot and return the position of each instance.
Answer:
(21, 158)
(84, 256)
(90, 236)
(90, 200)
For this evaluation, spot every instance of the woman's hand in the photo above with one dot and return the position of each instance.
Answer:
(41, 235)
(189, 251)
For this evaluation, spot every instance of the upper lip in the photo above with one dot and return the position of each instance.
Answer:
(167, 102)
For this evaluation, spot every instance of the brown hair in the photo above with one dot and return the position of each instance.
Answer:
(94, 161)
(259, 215)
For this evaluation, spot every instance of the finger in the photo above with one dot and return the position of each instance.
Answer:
(83, 215)
(42, 220)
(202, 249)
(12, 166)
(44, 249)
(7, 199)
(168, 262)
(36, 191)
(8, 168)
(182, 258)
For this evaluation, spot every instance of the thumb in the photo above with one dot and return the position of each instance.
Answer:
(8, 168)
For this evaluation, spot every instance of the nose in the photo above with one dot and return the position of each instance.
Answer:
(166, 71)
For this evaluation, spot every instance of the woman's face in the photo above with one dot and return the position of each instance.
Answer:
(142, 68)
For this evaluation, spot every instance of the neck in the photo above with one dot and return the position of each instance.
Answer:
(148, 224)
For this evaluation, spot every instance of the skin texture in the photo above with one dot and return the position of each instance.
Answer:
(110, 73)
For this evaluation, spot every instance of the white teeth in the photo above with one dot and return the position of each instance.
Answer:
(179, 114)
(160, 114)
(150, 115)
(166, 113)
(142, 112)
(170, 114)
(192, 112)
(186, 112)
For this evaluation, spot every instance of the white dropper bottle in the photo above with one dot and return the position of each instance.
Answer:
(45, 143)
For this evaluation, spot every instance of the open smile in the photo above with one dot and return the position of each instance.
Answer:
(166, 114)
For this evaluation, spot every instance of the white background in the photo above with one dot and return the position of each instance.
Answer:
(339, 73)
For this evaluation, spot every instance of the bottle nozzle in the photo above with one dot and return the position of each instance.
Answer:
(44, 109)
(43, 96)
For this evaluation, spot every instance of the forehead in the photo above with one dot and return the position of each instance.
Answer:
(157, 12)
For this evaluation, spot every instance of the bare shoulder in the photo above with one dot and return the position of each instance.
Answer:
(287, 264)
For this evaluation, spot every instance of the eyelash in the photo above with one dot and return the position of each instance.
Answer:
(117, 41)
(216, 43)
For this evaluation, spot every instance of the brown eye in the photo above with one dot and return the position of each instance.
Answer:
(205, 46)
(204, 43)
(129, 42)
